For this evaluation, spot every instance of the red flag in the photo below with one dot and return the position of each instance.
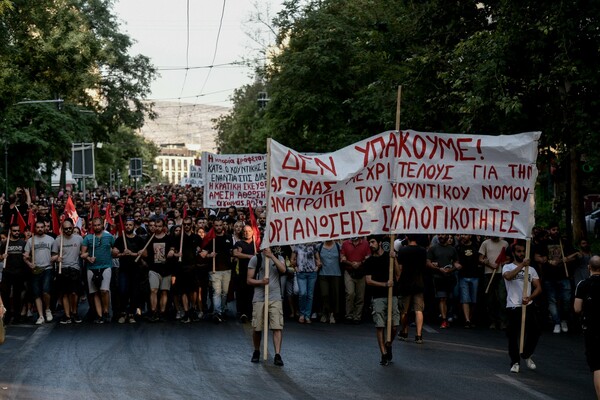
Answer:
(21, 222)
(31, 220)
(107, 215)
(55, 223)
(501, 257)
(210, 235)
(185, 210)
(255, 230)
(96, 211)
(71, 212)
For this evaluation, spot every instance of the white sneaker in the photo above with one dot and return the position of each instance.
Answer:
(49, 315)
(331, 319)
(324, 318)
(40, 321)
(530, 364)
(564, 327)
(515, 368)
(121, 319)
(556, 328)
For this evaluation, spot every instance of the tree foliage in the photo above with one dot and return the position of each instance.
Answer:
(72, 50)
(494, 67)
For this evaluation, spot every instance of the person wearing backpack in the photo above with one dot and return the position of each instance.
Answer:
(330, 280)
(257, 278)
(587, 303)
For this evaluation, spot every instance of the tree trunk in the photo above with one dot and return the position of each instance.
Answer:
(578, 213)
(63, 176)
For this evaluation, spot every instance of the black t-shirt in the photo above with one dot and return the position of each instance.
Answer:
(551, 249)
(134, 244)
(379, 269)
(15, 264)
(247, 248)
(157, 255)
(468, 257)
(223, 248)
(589, 291)
(413, 260)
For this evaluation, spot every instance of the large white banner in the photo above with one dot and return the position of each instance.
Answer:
(234, 179)
(404, 182)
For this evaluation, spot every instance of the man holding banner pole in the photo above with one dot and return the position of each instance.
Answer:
(377, 276)
(519, 296)
(256, 277)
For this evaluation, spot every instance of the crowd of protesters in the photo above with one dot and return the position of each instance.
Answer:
(156, 254)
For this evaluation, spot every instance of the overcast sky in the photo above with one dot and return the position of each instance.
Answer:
(159, 28)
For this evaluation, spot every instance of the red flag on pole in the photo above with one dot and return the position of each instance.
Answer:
(210, 235)
(31, 220)
(55, 222)
(501, 257)
(96, 211)
(71, 212)
(107, 215)
(255, 230)
(185, 210)
(21, 222)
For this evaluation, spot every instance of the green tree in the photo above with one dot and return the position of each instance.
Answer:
(69, 49)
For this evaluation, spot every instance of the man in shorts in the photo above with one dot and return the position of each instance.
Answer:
(96, 250)
(377, 276)
(587, 303)
(159, 274)
(256, 278)
(412, 261)
(65, 250)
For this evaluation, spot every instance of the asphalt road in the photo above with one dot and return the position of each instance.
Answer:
(208, 361)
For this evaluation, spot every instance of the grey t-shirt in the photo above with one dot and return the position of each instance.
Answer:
(71, 249)
(274, 282)
(43, 247)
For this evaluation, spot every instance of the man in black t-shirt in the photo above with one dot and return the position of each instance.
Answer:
(159, 274)
(127, 248)
(377, 276)
(221, 275)
(412, 261)
(468, 275)
(587, 303)
(14, 275)
(244, 250)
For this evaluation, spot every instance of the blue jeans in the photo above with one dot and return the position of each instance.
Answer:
(306, 287)
(558, 291)
(468, 290)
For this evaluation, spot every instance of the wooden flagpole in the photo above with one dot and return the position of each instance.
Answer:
(523, 306)
(267, 261)
(33, 250)
(562, 253)
(60, 253)
(181, 244)
(487, 289)
(392, 239)
(145, 247)
(214, 260)
(6, 249)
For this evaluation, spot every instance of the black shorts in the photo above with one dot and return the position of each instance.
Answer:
(69, 281)
(187, 280)
(592, 350)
